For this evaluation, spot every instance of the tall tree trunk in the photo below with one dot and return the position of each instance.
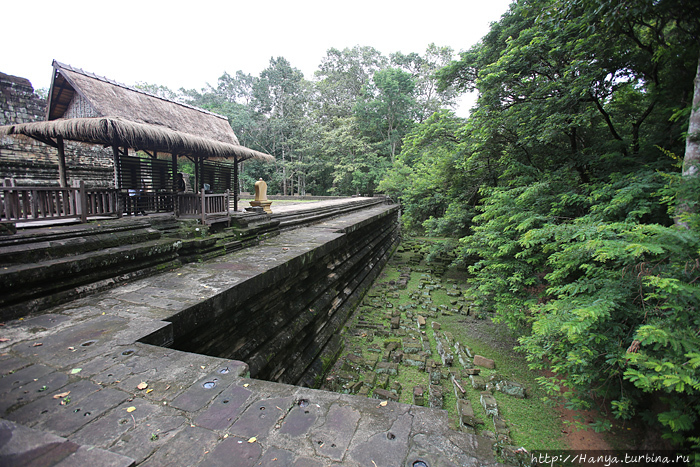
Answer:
(691, 160)
(692, 142)
(284, 175)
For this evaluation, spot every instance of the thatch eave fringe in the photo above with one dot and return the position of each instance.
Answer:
(115, 131)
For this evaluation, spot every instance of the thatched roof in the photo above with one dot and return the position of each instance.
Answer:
(107, 98)
(111, 131)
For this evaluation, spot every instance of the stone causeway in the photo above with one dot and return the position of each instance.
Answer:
(94, 382)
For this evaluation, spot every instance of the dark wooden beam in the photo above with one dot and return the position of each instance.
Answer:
(197, 168)
(62, 178)
(117, 178)
(235, 184)
(176, 198)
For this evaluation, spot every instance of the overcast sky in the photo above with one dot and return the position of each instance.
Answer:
(189, 44)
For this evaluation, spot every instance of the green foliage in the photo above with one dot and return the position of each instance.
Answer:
(427, 180)
(336, 134)
(587, 239)
(386, 109)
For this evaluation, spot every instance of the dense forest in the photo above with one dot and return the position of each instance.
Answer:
(337, 134)
(570, 193)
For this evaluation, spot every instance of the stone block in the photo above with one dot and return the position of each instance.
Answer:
(465, 413)
(383, 394)
(370, 362)
(345, 377)
(397, 356)
(462, 357)
(431, 365)
(421, 322)
(418, 395)
(395, 322)
(464, 349)
(498, 383)
(444, 352)
(449, 337)
(472, 371)
(386, 356)
(488, 402)
(8, 228)
(352, 387)
(414, 360)
(382, 381)
(484, 362)
(387, 368)
(513, 455)
(412, 346)
(370, 378)
(478, 382)
(500, 426)
(391, 345)
(353, 363)
(435, 325)
(435, 396)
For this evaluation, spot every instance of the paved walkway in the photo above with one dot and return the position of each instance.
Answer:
(78, 388)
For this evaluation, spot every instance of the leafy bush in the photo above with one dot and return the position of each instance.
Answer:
(610, 303)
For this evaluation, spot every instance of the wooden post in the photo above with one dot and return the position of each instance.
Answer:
(82, 197)
(7, 202)
(117, 172)
(117, 179)
(176, 196)
(204, 207)
(197, 165)
(62, 179)
(235, 183)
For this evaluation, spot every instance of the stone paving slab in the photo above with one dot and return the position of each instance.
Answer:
(21, 446)
(196, 409)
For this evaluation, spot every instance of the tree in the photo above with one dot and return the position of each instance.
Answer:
(428, 178)
(386, 109)
(342, 76)
(160, 91)
(279, 96)
(429, 98)
(581, 103)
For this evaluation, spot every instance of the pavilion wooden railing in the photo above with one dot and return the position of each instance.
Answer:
(205, 207)
(134, 202)
(26, 204)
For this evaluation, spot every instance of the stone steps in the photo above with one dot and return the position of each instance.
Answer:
(30, 287)
(44, 244)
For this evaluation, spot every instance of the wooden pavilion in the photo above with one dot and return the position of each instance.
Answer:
(91, 109)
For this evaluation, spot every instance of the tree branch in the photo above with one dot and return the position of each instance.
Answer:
(609, 122)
